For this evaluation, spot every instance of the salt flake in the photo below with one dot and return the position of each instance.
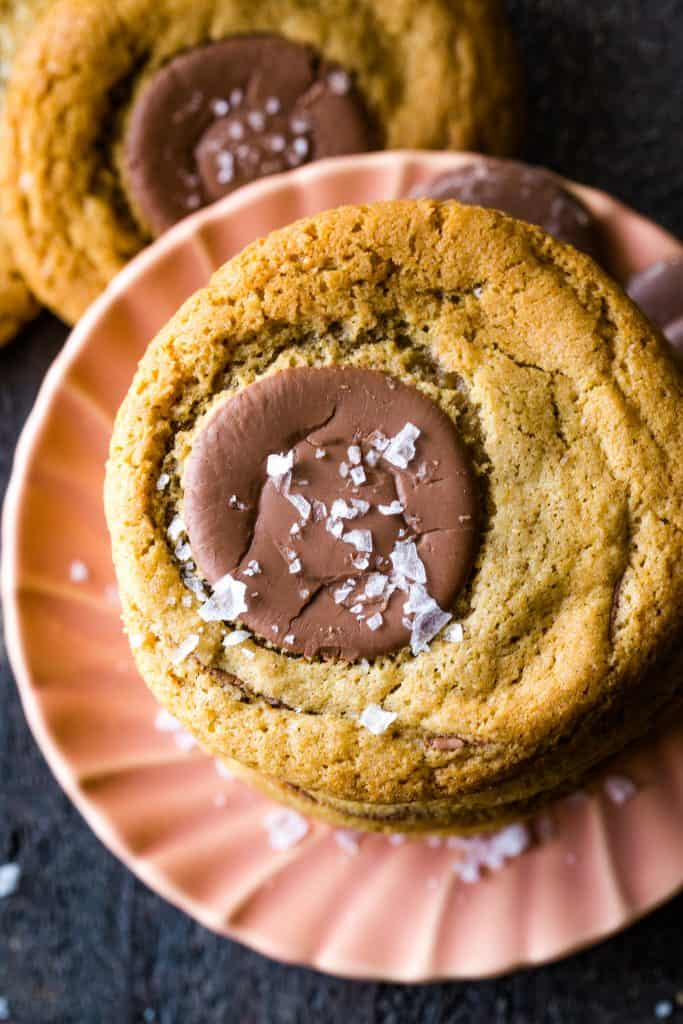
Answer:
(226, 602)
(237, 636)
(401, 449)
(186, 648)
(360, 539)
(376, 720)
(285, 828)
(9, 879)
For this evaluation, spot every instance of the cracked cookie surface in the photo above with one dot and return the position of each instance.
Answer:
(569, 406)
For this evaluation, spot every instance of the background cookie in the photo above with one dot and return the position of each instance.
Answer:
(17, 305)
(81, 188)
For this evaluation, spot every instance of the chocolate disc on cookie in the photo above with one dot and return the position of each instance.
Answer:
(523, 191)
(222, 115)
(346, 503)
(658, 290)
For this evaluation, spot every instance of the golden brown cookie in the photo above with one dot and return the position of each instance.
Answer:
(126, 114)
(17, 305)
(508, 683)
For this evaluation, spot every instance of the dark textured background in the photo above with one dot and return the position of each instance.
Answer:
(82, 942)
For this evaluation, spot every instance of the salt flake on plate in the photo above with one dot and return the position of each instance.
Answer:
(78, 571)
(619, 789)
(455, 634)
(285, 828)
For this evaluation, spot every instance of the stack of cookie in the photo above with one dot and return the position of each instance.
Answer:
(122, 116)
(397, 512)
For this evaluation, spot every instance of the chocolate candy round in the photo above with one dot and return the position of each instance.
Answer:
(658, 290)
(525, 192)
(349, 537)
(227, 113)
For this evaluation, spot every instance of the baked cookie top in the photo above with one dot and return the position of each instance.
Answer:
(567, 407)
(124, 115)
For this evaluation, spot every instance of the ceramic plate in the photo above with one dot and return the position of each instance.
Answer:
(396, 911)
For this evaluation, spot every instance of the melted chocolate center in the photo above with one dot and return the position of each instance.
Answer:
(227, 113)
(522, 191)
(345, 502)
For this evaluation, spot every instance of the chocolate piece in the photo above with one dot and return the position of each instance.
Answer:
(371, 484)
(224, 114)
(523, 191)
(658, 290)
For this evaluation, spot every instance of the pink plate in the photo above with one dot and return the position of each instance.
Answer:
(391, 911)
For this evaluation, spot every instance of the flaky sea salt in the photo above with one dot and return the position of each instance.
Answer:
(78, 571)
(619, 789)
(289, 638)
(223, 771)
(163, 481)
(354, 453)
(320, 453)
(226, 602)
(376, 584)
(9, 879)
(237, 636)
(278, 465)
(358, 475)
(253, 568)
(488, 852)
(375, 719)
(393, 509)
(272, 105)
(285, 828)
(302, 506)
(374, 622)
(295, 566)
(335, 527)
(183, 551)
(343, 510)
(361, 562)
(455, 634)
(401, 449)
(425, 627)
(339, 81)
(176, 527)
(180, 653)
(360, 539)
(341, 593)
(407, 562)
(348, 839)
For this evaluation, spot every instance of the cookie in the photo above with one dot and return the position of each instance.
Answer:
(658, 290)
(125, 115)
(17, 305)
(396, 506)
(529, 193)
